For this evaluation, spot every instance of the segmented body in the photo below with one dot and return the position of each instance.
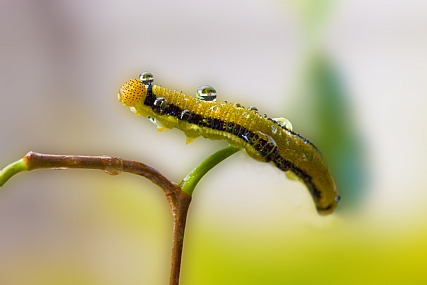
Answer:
(263, 138)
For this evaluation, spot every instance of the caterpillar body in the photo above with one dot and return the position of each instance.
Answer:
(264, 139)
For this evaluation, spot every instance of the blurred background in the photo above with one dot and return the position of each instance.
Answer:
(350, 76)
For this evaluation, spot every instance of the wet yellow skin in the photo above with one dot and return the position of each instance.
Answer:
(292, 147)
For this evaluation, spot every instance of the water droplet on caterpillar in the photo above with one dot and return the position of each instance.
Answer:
(284, 123)
(273, 129)
(214, 108)
(153, 120)
(160, 127)
(185, 115)
(160, 105)
(246, 115)
(264, 144)
(206, 93)
(269, 146)
(291, 175)
(304, 157)
(146, 78)
(253, 109)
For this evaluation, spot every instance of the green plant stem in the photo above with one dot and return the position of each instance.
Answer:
(190, 181)
(12, 169)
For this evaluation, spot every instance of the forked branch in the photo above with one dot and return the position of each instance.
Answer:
(179, 198)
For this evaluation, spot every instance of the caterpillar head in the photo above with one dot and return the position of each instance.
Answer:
(132, 92)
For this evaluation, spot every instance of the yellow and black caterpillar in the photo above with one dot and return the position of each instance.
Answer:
(264, 139)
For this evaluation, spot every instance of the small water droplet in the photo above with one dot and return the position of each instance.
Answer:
(160, 105)
(153, 120)
(273, 129)
(185, 115)
(206, 93)
(291, 175)
(264, 116)
(204, 122)
(72, 160)
(146, 78)
(112, 171)
(213, 108)
(253, 109)
(245, 136)
(112, 165)
(238, 105)
(337, 198)
(246, 115)
(284, 123)
(265, 144)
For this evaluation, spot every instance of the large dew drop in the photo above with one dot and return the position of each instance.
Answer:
(284, 123)
(146, 78)
(206, 93)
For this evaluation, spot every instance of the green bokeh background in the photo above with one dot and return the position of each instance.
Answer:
(350, 75)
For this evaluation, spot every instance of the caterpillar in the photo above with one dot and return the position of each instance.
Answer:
(264, 139)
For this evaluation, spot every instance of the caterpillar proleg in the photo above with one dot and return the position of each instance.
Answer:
(264, 139)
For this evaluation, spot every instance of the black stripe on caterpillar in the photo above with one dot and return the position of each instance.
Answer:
(264, 139)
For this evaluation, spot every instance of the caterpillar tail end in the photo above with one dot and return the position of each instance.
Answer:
(329, 207)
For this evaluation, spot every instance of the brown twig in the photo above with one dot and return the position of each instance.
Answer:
(179, 201)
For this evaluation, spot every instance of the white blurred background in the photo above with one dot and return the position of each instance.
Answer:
(61, 65)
